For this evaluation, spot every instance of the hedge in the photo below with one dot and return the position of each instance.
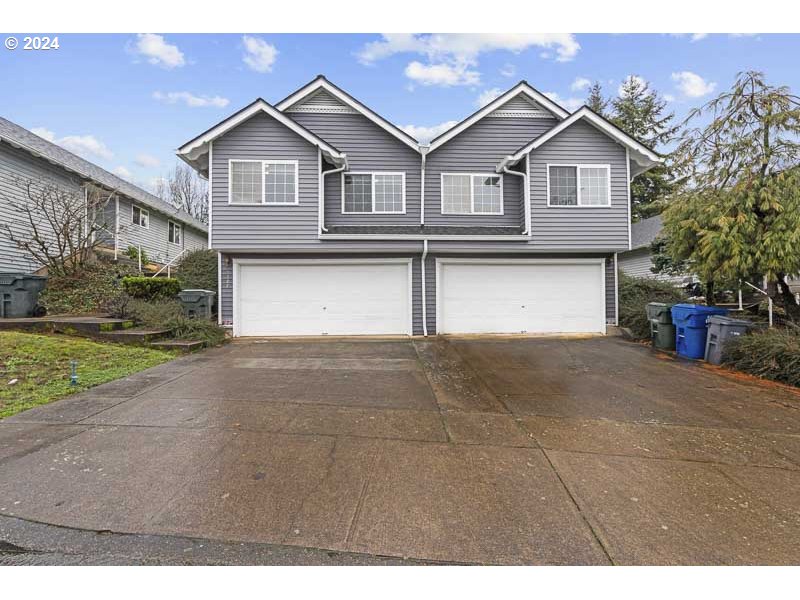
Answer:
(771, 353)
(197, 270)
(635, 294)
(151, 288)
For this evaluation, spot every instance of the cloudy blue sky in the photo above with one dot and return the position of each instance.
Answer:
(127, 101)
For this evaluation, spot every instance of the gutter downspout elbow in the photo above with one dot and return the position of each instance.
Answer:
(424, 295)
(524, 176)
(322, 195)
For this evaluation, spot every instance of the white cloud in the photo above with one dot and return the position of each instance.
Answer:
(692, 85)
(580, 84)
(508, 70)
(259, 54)
(425, 134)
(44, 133)
(571, 104)
(453, 57)
(669, 98)
(85, 145)
(693, 37)
(640, 80)
(123, 172)
(158, 52)
(147, 161)
(442, 74)
(191, 100)
(742, 35)
(487, 96)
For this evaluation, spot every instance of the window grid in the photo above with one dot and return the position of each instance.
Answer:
(174, 233)
(388, 193)
(472, 194)
(246, 182)
(579, 185)
(357, 193)
(488, 196)
(140, 217)
(280, 182)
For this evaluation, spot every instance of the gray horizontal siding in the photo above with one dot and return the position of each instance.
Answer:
(638, 263)
(261, 226)
(479, 149)
(16, 169)
(611, 290)
(579, 228)
(368, 148)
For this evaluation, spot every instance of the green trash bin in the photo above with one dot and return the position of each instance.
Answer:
(662, 331)
(19, 293)
(197, 303)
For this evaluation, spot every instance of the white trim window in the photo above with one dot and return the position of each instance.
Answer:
(140, 216)
(574, 185)
(271, 182)
(472, 194)
(174, 233)
(373, 193)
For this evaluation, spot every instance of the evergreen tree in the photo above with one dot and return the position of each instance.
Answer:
(595, 99)
(640, 112)
(737, 215)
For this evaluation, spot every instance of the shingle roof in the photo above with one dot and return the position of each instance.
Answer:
(644, 232)
(21, 137)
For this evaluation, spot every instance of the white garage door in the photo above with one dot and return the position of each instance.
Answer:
(520, 297)
(302, 297)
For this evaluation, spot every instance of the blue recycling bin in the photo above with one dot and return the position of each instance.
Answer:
(691, 328)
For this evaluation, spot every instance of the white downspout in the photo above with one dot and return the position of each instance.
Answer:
(525, 194)
(116, 226)
(424, 151)
(424, 295)
(322, 228)
(85, 211)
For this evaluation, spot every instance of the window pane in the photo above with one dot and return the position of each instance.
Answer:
(280, 183)
(357, 193)
(488, 194)
(594, 186)
(388, 193)
(137, 215)
(563, 186)
(456, 194)
(246, 182)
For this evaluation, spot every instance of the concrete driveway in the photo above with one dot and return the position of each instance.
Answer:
(531, 451)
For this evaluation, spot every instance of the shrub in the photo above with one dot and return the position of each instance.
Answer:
(151, 288)
(168, 314)
(132, 252)
(635, 293)
(771, 353)
(95, 288)
(198, 270)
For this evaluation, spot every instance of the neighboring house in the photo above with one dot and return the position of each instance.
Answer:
(328, 219)
(132, 217)
(638, 261)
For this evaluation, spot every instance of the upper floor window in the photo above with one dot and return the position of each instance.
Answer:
(141, 217)
(263, 182)
(579, 185)
(472, 194)
(367, 193)
(174, 233)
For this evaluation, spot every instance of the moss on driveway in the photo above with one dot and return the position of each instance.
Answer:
(41, 365)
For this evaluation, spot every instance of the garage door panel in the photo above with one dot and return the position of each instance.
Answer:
(323, 299)
(521, 298)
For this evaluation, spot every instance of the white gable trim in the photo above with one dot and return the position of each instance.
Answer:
(199, 145)
(322, 83)
(520, 88)
(598, 122)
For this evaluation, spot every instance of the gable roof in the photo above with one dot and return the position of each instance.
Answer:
(521, 88)
(21, 138)
(641, 154)
(321, 83)
(195, 151)
(644, 232)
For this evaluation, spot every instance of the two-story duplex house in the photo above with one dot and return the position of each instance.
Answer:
(130, 216)
(328, 219)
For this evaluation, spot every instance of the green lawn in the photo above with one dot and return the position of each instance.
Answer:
(41, 363)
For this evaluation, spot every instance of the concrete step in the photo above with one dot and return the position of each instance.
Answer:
(80, 326)
(140, 337)
(185, 346)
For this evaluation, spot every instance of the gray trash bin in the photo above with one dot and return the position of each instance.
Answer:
(19, 293)
(720, 330)
(197, 303)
